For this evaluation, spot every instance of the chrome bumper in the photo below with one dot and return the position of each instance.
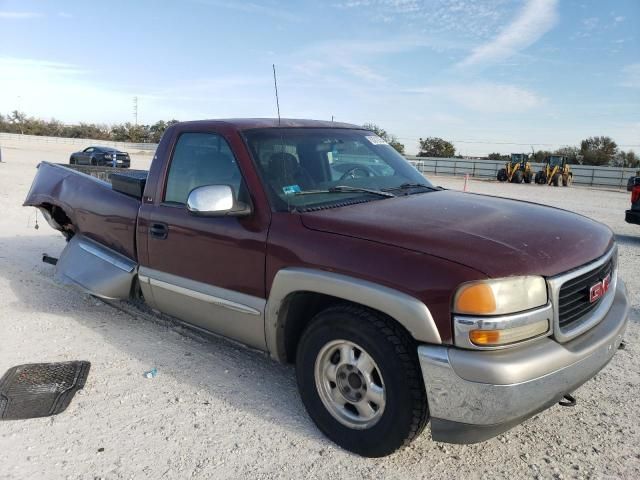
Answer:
(475, 395)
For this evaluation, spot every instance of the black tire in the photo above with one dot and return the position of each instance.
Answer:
(502, 175)
(394, 352)
(72, 161)
(542, 179)
(528, 177)
(517, 177)
(93, 162)
(556, 179)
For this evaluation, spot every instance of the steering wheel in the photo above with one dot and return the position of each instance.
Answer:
(351, 173)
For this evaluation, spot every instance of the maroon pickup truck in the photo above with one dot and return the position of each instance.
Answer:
(398, 301)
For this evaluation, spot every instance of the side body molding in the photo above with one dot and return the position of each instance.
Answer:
(407, 310)
(224, 312)
(96, 268)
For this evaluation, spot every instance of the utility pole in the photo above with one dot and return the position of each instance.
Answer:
(135, 110)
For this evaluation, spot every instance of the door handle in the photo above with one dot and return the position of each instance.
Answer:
(159, 230)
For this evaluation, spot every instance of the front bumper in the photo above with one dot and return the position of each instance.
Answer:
(476, 395)
(632, 216)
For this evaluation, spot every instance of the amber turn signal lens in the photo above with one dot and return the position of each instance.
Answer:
(485, 337)
(476, 299)
(493, 338)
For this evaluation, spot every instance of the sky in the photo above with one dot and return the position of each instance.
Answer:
(490, 76)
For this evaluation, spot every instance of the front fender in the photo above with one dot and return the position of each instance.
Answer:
(410, 312)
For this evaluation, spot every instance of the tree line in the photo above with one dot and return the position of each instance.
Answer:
(18, 122)
(600, 150)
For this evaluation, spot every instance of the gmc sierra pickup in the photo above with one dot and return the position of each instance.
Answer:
(398, 301)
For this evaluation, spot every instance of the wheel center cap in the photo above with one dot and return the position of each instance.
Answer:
(354, 381)
(350, 383)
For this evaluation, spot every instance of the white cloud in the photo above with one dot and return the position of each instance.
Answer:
(268, 9)
(535, 19)
(618, 19)
(59, 90)
(486, 97)
(19, 15)
(590, 23)
(459, 18)
(631, 76)
(69, 93)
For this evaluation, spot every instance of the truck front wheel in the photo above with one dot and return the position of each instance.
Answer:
(360, 380)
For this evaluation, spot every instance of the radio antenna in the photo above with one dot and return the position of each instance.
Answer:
(275, 84)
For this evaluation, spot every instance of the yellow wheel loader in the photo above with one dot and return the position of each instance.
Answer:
(556, 170)
(517, 169)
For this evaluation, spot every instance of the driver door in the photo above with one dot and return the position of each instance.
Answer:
(208, 271)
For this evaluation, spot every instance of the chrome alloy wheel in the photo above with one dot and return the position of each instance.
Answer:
(350, 384)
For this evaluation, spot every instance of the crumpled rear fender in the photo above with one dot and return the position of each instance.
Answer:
(96, 269)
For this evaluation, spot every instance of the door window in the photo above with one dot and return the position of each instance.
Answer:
(201, 159)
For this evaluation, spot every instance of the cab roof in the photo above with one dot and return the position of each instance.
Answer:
(253, 123)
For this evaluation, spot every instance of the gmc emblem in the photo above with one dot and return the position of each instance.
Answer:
(599, 289)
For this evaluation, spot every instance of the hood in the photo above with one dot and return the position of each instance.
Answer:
(496, 236)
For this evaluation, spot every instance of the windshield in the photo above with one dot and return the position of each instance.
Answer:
(516, 157)
(555, 161)
(306, 167)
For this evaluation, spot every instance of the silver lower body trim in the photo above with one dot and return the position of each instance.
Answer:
(225, 312)
(459, 395)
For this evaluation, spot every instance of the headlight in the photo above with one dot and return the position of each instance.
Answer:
(501, 312)
(497, 297)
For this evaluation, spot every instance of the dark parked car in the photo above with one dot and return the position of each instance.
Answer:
(398, 301)
(101, 156)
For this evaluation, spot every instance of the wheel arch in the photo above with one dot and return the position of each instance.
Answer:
(297, 294)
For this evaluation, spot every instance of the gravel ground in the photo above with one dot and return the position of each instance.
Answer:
(219, 410)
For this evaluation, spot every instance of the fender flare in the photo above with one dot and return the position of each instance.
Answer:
(410, 312)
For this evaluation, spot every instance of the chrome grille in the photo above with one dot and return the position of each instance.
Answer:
(573, 313)
(574, 301)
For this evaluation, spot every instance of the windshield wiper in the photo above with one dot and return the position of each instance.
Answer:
(406, 186)
(347, 189)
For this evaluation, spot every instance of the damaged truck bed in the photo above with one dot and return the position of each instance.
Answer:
(90, 207)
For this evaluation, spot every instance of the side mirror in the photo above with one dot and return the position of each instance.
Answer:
(215, 201)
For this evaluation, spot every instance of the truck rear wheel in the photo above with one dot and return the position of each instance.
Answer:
(502, 175)
(360, 380)
(556, 179)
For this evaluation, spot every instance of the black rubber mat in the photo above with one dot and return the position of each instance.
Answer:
(40, 389)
